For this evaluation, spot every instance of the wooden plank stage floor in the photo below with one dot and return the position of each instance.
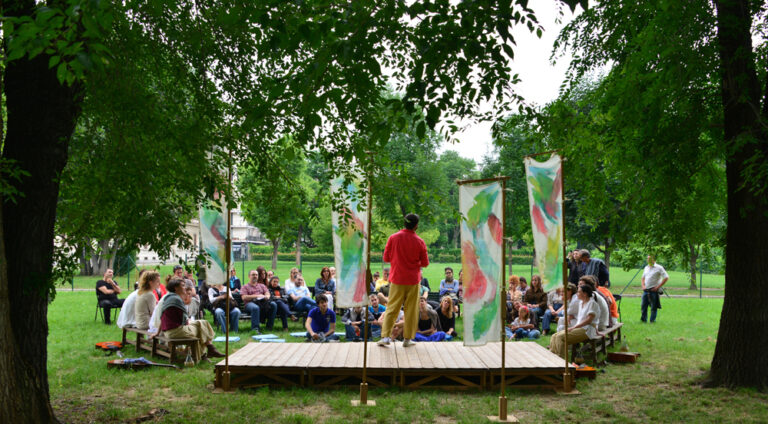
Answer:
(442, 365)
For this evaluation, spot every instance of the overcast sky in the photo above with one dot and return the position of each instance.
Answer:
(540, 80)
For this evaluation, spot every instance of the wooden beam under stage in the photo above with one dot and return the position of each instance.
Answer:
(438, 365)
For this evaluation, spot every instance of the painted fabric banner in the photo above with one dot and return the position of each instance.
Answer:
(545, 196)
(349, 245)
(213, 236)
(482, 235)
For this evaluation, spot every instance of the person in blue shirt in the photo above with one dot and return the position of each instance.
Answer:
(234, 282)
(300, 296)
(449, 286)
(321, 322)
(375, 312)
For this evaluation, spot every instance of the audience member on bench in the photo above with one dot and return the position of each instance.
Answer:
(175, 324)
(280, 300)
(302, 301)
(585, 327)
(193, 307)
(217, 295)
(554, 308)
(145, 300)
(446, 316)
(603, 317)
(376, 316)
(127, 316)
(536, 298)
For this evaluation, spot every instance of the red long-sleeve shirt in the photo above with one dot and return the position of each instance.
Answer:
(407, 254)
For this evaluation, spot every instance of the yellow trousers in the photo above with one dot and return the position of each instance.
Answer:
(399, 295)
(558, 344)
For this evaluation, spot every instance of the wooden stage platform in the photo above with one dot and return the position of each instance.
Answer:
(441, 365)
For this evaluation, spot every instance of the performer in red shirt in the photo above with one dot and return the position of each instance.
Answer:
(407, 254)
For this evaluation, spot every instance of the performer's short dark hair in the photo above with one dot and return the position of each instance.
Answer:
(411, 221)
(321, 298)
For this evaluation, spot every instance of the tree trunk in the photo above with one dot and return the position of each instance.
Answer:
(693, 256)
(41, 116)
(298, 249)
(275, 246)
(85, 261)
(739, 358)
(607, 253)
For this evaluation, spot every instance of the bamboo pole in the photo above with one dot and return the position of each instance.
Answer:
(543, 153)
(369, 201)
(481, 180)
(503, 397)
(567, 378)
(228, 252)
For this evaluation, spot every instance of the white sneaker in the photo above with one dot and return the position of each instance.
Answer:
(384, 341)
(408, 342)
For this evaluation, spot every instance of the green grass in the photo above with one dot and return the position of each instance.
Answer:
(664, 386)
(678, 281)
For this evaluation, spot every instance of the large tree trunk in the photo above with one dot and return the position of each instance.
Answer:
(41, 118)
(298, 249)
(275, 246)
(693, 256)
(739, 358)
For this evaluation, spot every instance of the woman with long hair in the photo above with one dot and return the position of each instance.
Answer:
(280, 299)
(446, 317)
(145, 299)
(326, 285)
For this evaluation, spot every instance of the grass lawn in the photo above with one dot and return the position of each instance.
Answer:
(678, 281)
(663, 386)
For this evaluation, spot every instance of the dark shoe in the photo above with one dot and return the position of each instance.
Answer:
(213, 353)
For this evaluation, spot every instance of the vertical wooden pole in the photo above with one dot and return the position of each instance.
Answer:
(228, 252)
(567, 380)
(503, 397)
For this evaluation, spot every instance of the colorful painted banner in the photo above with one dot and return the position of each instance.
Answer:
(349, 245)
(545, 195)
(482, 235)
(213, 236)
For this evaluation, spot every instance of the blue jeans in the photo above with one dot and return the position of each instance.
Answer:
(305, 304)
(255, 312)
(549, 316)
(650, 298)
(221, 319)
(522, 333)
(284, 311)
(375, 332)
(351, 332)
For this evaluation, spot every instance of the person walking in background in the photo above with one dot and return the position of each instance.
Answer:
(654, 277)
(407, 254)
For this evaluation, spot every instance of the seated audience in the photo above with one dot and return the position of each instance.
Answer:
(428, 329)
(523, 286)
(382, 288)
(280, 300)
(290, 282)
(554, 308)
(258, 301)
(373, 281)
(175, 323)
(353, 324)
(217, 295)
(535, 298)
(445, 314)
(234, 282)
(193, 307)
(424, 282)
(375, 316)
(321, 322)
(449, 286)
(612, 305)
(302, 301)
(573, 307)
(160, 291)
(585, 327)
(604, 316)
(145, 300)
(397, 328)
(106, 291)
(523, 326)
(326, 285)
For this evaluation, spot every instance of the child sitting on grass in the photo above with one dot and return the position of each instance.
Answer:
(522, 326)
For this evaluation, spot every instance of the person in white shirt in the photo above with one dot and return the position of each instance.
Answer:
(604, 317)
(290, 282)
(585, 327)
(654, 277)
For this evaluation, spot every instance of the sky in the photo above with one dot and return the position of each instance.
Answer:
(540, 79)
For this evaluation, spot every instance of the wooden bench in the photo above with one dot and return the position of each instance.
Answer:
(142, 341)
(601, 344)
(169, 349)
(159, 346)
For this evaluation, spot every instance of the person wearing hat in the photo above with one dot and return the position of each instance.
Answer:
(407, 254)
